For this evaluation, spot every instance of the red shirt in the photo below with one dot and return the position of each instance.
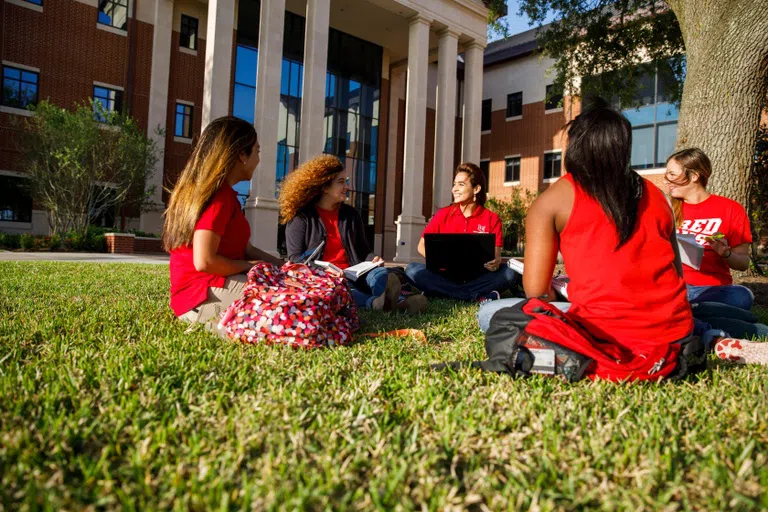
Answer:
(634, 295)
(333, 252)
(451, 220)
(223, 216)
(714, 214)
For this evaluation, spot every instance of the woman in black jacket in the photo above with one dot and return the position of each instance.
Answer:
(319, 225)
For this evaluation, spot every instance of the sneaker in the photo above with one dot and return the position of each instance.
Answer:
(742, 351)
(413, 304)
(388, 300)
(488, 297)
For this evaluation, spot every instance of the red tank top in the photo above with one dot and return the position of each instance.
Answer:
(634, 295)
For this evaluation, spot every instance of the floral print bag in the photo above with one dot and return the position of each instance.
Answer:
(292, 305)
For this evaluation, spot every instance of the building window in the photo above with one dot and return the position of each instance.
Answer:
(15, 199)
(19, 87)
(188, 37)
(36, 2)
(485, 123)
(552, 165)
(512, 169)
(554, 97)
(113, 13)
(485, 166)
(183, 120)
(515, 104)
(105, 101)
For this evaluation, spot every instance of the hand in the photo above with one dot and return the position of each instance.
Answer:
(376, 259)
(493, 265)
(719, 244)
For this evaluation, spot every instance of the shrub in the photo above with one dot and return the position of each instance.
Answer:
(512, 212)
(54, 243)
(10, 240)
(27, 242)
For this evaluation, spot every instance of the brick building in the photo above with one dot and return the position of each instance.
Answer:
(334, 81)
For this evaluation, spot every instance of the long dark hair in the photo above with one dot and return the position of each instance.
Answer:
(598, 158)
(476, 177)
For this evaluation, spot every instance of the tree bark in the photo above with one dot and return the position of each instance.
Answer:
(726, 45)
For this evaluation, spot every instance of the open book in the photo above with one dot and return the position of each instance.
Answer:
(691, 252)
(559, 283)
(352, 273)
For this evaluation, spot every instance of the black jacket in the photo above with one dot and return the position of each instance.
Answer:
(305, 232)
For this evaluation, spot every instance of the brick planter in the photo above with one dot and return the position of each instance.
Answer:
(120, 243)
(145, 244)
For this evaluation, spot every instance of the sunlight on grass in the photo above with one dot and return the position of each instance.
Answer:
(106, 401)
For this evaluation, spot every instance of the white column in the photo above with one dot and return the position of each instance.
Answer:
(311, 140)
(218, 59)
(151, 220)
(445, 122)
(473, 102)
(261, 208)
(411, 223)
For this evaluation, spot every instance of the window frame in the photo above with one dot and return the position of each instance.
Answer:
(548, 101)
(486, 127)
(189, 19)
(121, 3)
(21, 82)
(552, 178)
(184, 114)
(23, 222)
(118, 101)
(511, 115)
(510, 159)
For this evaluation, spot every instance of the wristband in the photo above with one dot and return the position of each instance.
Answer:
(729, 254)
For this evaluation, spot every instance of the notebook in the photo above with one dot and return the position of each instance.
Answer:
(354, 272)
(559, 283)
(691, 253)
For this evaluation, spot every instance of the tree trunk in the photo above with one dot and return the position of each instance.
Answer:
(726, 45)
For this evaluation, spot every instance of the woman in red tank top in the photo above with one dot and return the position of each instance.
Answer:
(615, 231)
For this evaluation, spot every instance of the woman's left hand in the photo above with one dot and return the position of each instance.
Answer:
(376, 259)
(719, 245)
(493, 265)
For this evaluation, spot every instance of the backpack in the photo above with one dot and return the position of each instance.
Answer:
(520, 336)
(292, 305)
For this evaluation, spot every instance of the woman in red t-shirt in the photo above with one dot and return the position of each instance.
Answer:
(616, 233)
(467, 214)
(205, 230)
(721, 226)
(321, 226)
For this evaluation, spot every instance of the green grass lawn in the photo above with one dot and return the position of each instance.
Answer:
(105, 400)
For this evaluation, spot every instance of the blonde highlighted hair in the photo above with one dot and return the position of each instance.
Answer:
(305, 185)
(216, 153)
(693, 161)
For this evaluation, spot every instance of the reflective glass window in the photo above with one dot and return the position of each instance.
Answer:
(110, 100)
(15, 199)
(19, 87)
(188, 34)
(113, 13)
(183, 121)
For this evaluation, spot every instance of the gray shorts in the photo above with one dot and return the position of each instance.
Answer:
(218, 300)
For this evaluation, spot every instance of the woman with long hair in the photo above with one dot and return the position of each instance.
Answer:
(205, 230)
(321, 226)
(616, 234)
(721, 226)
(467, 214)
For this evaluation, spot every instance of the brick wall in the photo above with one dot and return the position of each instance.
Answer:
(147, 245)
(529, 138)
(185, 82)
(120, 243)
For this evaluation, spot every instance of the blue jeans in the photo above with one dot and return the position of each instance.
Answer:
(731, 294)
(713, 319)
(369, 286)
(489, 309)
(437, 285)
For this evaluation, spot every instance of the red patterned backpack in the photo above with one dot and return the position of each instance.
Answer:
(292, 305)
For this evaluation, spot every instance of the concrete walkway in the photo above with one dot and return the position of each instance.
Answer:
(84, 257)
